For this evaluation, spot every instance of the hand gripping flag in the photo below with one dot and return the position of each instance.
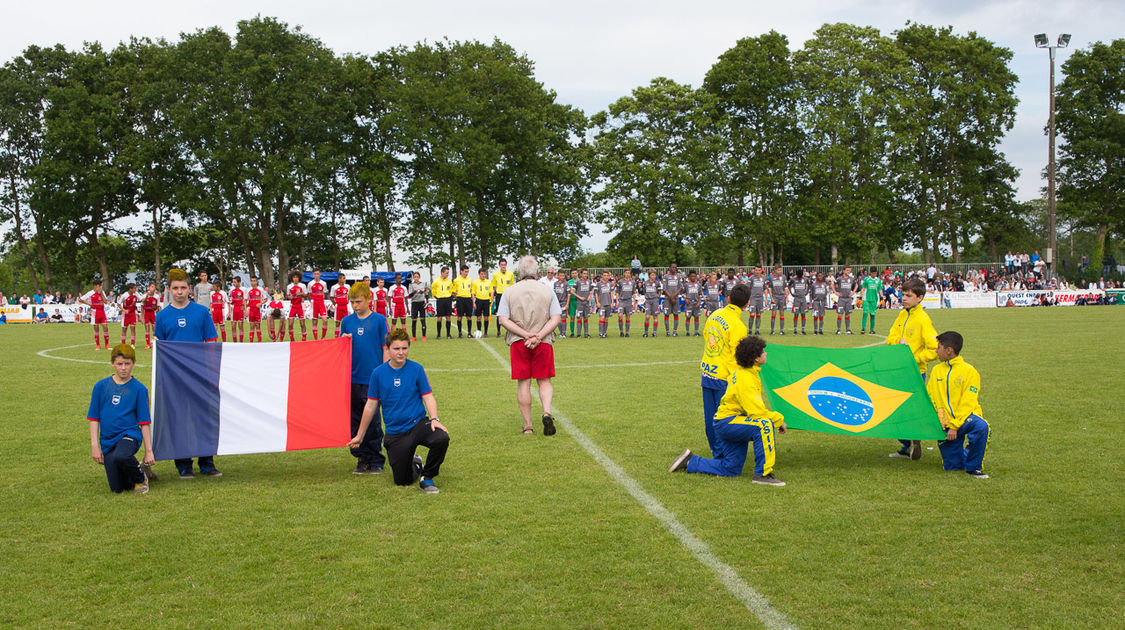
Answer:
(230, 398)
(875, 392)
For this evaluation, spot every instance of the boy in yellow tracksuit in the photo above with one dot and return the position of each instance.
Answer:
(742, 419)
(954, 387)
(914, 329)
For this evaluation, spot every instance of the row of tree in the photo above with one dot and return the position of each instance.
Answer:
(266, 151)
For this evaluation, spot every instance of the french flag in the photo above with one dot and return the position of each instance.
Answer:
(232, 398)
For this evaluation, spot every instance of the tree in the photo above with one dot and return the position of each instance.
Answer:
(1091, 118)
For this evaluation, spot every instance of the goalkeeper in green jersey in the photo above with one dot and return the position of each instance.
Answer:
(872, 287)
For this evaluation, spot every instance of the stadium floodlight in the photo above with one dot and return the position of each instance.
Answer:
(1064, 39)
(1041, 40)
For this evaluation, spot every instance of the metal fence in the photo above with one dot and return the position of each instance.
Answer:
(904, 269)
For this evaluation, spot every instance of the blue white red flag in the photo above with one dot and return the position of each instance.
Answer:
(231, 398)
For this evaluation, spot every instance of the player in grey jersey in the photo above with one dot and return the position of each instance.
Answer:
(673, 285)
(582, 291)
(799, 289)
(417, 291)
(712, 294)
(729, 282)
(693, 303)
(779, 295)
(757, 299)
(626, 288)
(604, 294)
(562, 293)
(845, 286)
(819, 303)
(652, 291)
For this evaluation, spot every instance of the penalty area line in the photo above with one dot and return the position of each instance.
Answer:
(754, 601)
(46, 355)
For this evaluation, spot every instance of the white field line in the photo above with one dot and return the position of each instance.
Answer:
(754, 601)
(564, 367)
(47, 354)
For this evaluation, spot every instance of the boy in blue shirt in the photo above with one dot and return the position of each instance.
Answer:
(401, 388)
(368, 332)
(119, 423)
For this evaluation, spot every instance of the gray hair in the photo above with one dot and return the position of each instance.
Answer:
(527, 267)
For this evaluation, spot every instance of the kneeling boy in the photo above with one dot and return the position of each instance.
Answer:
(954, 386)
(119, 422)
(742, 418)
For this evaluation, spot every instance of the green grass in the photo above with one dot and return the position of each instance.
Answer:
(531, 532)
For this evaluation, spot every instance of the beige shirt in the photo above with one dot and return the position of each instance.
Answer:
(528, 303)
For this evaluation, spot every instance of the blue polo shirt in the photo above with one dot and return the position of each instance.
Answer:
(369, 335)
(190, 323)
(399, 393)
(120, 411)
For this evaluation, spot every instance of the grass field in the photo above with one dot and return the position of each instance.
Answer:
(532, 532)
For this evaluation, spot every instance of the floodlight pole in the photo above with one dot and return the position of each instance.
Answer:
(1041, 41)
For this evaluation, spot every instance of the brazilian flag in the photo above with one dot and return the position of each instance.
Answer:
(875, 392)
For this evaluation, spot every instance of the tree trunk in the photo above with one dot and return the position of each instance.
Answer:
(816, 255)
(156, 241)
(891, 255)
(835, 255)
(279, 232)
(385, 230)
(20, 237)
(99, 255)
(41, 249)
(459, 237)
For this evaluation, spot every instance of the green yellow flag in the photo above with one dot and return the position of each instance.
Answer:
(875, 392)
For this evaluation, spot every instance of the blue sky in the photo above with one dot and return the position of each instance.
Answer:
(592, 53)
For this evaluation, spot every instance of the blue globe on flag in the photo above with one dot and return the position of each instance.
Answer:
(841, 400)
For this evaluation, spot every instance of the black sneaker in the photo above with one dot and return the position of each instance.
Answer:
(427, 486)
(375, 470)
(977, 474)
(187, 474)
(680, 463)
(850, 332)
(675, 334)
(915, 449)
(837, 332)
(361, 466)
(781, 332)
(214, 472)
(548, 424)
(644, 335)
(768, 480)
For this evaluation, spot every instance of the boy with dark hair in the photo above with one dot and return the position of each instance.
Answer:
(742, 419)
(914, 329)
(119, 423)
(723, 332)
(954, 387)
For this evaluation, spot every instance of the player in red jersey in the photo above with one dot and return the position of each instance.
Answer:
(276, 316)
(237, 312)
(129, 313)
(218, 306)
(97, 300)
(296, 293)
(254, 298)
(398, 303)
(340, 298)
(380, 297)
(150, 306)
(318, 289)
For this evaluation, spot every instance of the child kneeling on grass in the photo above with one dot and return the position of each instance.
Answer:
(954, 387)
(119, 422)
(742, 419)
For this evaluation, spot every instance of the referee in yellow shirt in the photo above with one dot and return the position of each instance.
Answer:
(482, 299)
(501, 280)
(463, 291)
(442, 290)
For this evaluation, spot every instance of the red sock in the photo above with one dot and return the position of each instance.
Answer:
(224, 332)
(303, 336)
(147, 342)
(96, 340)
(122, 336)
(290, 336)
(106, 336)
(259, 336)
(315, 337)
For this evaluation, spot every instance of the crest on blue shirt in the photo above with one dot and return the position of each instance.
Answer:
(116, 398)
(398, 381)
(359, 331)
(182, 322)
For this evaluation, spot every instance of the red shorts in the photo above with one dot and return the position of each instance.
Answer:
(341, 312)
(236, 314)
(254, 313)
(537, 363)
(129, 318)
(296, 311)
(150, 317)
(381, 308)
(318, 310)
(400, 312)
(217, 315)
(98, 316)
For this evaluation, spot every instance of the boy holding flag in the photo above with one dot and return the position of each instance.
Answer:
(954, 387)
(914, 329)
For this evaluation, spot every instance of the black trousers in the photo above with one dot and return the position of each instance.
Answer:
(401, 447)
(205, 463)
(121, 468)
(371, 447)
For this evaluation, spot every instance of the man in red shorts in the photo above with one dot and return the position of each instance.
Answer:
(296, 293)
(398, 304)
(96, 300)
(218, 306)
(340, 298)
(318, 289)
(129, 313)
(149, 308)
(254, 298)
(530, 312)
(380, 293)
(237, 310)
